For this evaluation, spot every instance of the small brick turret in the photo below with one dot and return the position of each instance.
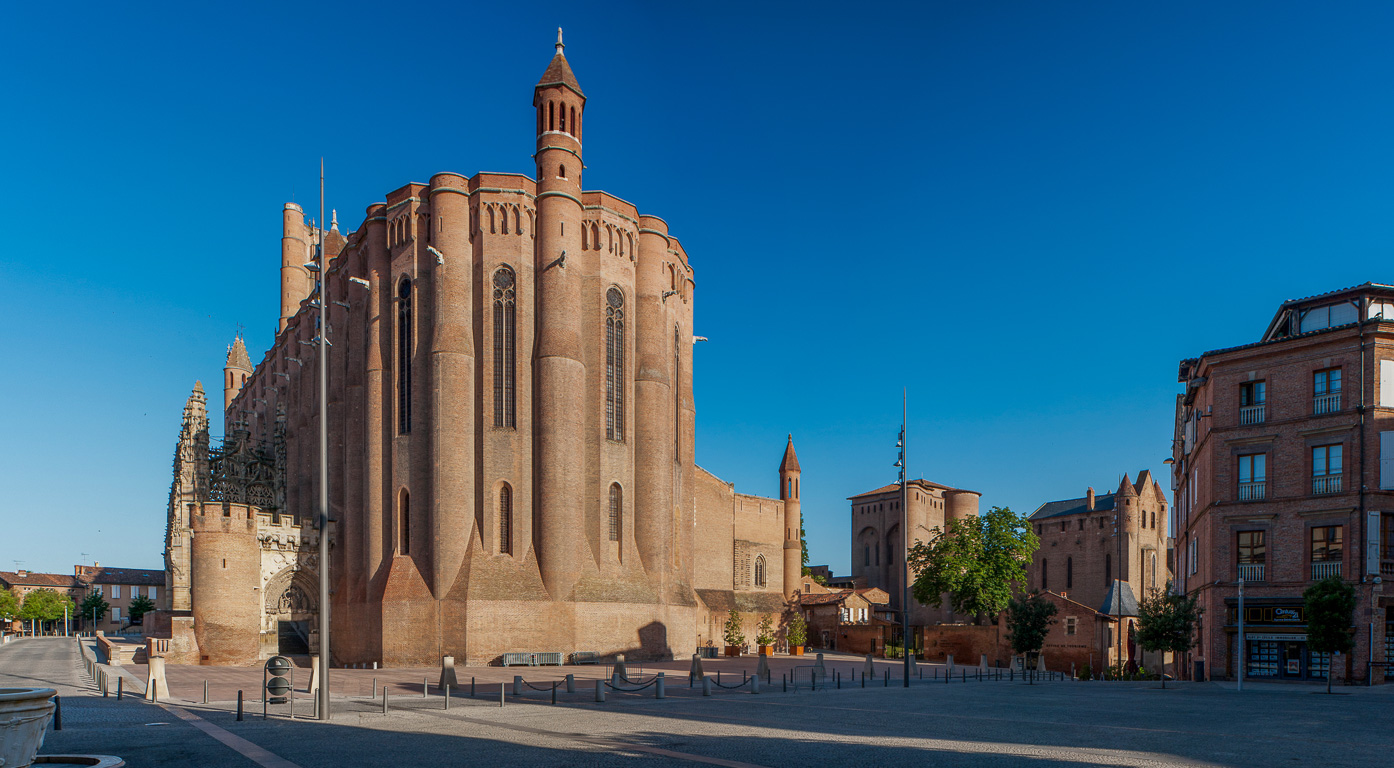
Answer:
(793, 518)
(235, 371)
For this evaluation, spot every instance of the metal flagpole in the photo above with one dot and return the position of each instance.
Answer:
(905, 537)
(323, 516)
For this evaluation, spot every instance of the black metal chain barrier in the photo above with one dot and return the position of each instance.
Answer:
(741, 684)
(551, 687)
(632, 690)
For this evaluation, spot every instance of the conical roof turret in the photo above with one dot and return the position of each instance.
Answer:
(1125, 488)
(790, 463)
(237, 355)
(559, 72)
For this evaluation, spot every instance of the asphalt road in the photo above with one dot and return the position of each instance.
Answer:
(996, 724)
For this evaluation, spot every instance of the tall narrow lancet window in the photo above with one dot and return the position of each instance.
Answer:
(404, 355)
(677, 396)
(505, 349)
(614, 364)
(759, 570)
(505, 520)
(616, 511)
(404, 524)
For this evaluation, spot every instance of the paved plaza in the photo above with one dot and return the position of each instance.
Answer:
(932, 723)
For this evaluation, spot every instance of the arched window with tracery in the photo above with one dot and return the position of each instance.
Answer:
(616, 511)
(505, 520)
(404, 354)
(505, 348)
(614, 364)
(760, 570)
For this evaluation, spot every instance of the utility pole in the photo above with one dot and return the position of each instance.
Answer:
(323, 516)
(1242, 650)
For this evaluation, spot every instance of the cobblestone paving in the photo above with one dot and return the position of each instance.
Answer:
(958, 724)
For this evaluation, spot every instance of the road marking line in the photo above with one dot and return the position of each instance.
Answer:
(236, 743)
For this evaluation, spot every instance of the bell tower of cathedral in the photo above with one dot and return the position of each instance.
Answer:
(235, 371)
(793, 519)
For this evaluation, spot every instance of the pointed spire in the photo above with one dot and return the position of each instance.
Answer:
(791, 459)
(198, 386)
(334, 220)
(1125, 488)
(559, 72)
(237, 355)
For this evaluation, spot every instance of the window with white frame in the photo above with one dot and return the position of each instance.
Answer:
(116, 590)
(116, 613)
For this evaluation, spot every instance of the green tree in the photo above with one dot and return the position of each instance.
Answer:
(1028, 622)
(45, 605)
(94, 605)
(1167, 622)
(1330, 616)
(139, 607)
(797, 633)
(9, 605)
(977, 560)
(733, 631)
(764, 634)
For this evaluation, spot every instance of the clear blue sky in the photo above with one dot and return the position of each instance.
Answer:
(1026, 213)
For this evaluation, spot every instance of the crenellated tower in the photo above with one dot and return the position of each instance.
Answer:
(793, 518)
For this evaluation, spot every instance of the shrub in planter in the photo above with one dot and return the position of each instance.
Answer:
(764, 636)
(797, 634)
(734, 633)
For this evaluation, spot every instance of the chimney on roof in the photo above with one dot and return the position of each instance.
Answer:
(1089, 499)
(21, 573)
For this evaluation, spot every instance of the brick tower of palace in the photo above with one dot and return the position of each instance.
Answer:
(511, 425)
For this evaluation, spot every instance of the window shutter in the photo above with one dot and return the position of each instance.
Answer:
(1372, 522)
(1386, 455)
(1386, 383)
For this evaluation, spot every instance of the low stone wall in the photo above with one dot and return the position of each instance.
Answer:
(967, 643)
(108, 650)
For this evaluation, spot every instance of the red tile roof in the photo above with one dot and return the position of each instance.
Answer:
(31, 579)
(92, 574)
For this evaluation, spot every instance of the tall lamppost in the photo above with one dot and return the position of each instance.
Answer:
(905, 538)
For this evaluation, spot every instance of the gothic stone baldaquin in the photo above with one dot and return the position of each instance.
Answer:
(511, 429)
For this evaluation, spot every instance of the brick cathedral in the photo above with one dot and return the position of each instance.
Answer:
(511, 424)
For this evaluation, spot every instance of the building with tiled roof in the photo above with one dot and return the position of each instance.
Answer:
(878, 549)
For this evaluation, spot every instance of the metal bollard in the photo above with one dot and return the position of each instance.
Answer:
(554, 693)
(423, 687)
(446, 690)
(706, 686)
(471, 687)
(784, 678)
(517, 685)
(754, 684)
(239, 706)
(120, 689)
(600, 691)
(106, 686)
(57, 713)
(570, 683)
(658, 685)
(205, 691)
(964, 676)
(375, 687)
(384, 699)
(863, 679)
(887, 683)
(503, 687)
(838, 677)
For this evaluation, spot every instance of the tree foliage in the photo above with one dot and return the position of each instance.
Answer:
(45, 605)
(9, 605)
(1167, 622)
(797, 633)
(94, 605)
(977, 560)
(1330, 616)
(139, 607)
(1028, 622)
(764, 634)
(733, 631)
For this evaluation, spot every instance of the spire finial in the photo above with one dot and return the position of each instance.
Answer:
(334, 216)
(560, 44)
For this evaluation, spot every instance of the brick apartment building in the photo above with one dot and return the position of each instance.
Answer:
(1284, 475)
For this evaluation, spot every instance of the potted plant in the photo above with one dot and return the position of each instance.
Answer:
(797, 635)
(734, 633)
(764, 637)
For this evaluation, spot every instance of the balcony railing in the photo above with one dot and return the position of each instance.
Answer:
(1251, 414)
(1386, 567)
(1251, 571)
(1329, 403)
(1251, 491)
(1325, 570)
(1323, 484)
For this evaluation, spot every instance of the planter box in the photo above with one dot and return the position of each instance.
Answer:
(796, 650)
(733, 650)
